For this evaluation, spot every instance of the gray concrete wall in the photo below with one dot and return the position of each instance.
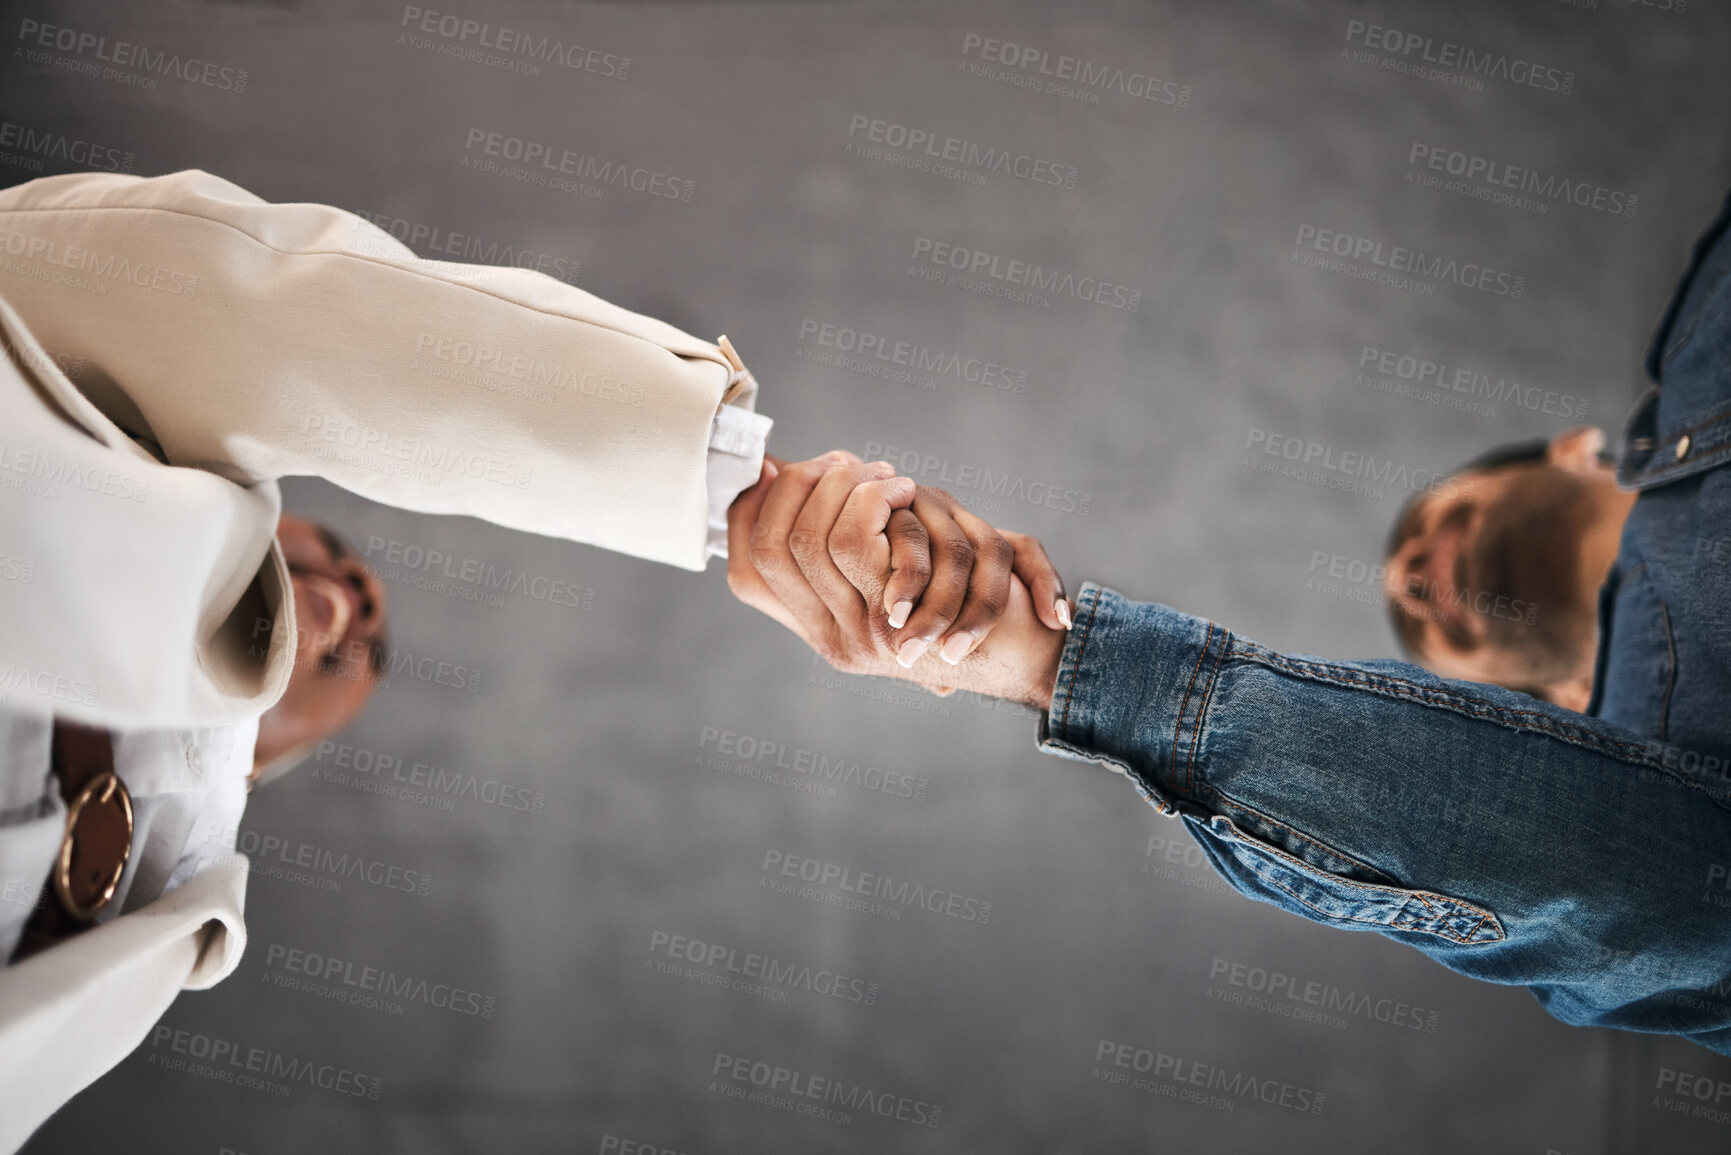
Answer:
(1104, 923)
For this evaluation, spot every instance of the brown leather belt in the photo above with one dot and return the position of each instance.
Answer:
(97, 842)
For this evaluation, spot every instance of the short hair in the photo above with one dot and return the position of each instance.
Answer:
(1406, 625)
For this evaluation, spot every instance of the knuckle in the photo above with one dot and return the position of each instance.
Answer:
(996, 552)
(958, 551)
(841, 656)
(846, 544)
(911, 540)
(809, 470)
(804, 544)
(765, 558)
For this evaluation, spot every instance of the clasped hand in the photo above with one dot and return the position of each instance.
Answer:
(883, 576)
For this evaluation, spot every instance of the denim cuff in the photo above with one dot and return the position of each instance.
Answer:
(1132, 689)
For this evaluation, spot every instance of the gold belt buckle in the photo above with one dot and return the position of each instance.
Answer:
(95, 848)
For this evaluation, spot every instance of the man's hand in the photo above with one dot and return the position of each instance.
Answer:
(839, 551)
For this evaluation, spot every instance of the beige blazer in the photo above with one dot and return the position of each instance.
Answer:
(175, 345)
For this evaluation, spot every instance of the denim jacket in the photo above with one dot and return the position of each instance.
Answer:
(1587, 857)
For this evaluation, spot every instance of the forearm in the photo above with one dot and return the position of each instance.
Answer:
(258, 340)
(1377, 772)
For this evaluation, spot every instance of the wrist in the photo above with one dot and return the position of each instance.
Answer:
(1045, 656)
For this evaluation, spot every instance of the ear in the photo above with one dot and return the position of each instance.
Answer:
(1577, 451)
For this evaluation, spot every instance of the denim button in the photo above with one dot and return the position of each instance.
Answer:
(1682, 447)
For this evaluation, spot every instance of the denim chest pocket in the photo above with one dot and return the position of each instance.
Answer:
(1640, 662)
(1350, 895)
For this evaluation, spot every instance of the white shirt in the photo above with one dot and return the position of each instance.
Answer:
(180, 781)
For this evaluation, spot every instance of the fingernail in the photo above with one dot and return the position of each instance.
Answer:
(1064, 612)
(956, 648)
(882, 468)
(911, 651)
(899, 613)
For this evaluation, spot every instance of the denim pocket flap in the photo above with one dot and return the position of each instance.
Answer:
(1336, 900)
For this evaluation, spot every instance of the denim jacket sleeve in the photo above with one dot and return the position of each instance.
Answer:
(1507, 838)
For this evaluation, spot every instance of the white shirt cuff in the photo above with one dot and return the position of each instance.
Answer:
(736, 440)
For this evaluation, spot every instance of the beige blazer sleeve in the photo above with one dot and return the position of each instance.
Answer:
(258, 341)
(71, 1013)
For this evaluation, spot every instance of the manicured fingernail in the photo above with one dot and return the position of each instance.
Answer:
(956, 648)
(911, 651)
(899, 613)
(1064, 612)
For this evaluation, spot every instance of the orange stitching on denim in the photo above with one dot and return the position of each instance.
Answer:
(1706, 423)
(1178, 725)
(1671, 671)
(1202, 710)
(1330, 851)
(1076, 669)
(1439, 931)
(1404, 892)
(1436, 696)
